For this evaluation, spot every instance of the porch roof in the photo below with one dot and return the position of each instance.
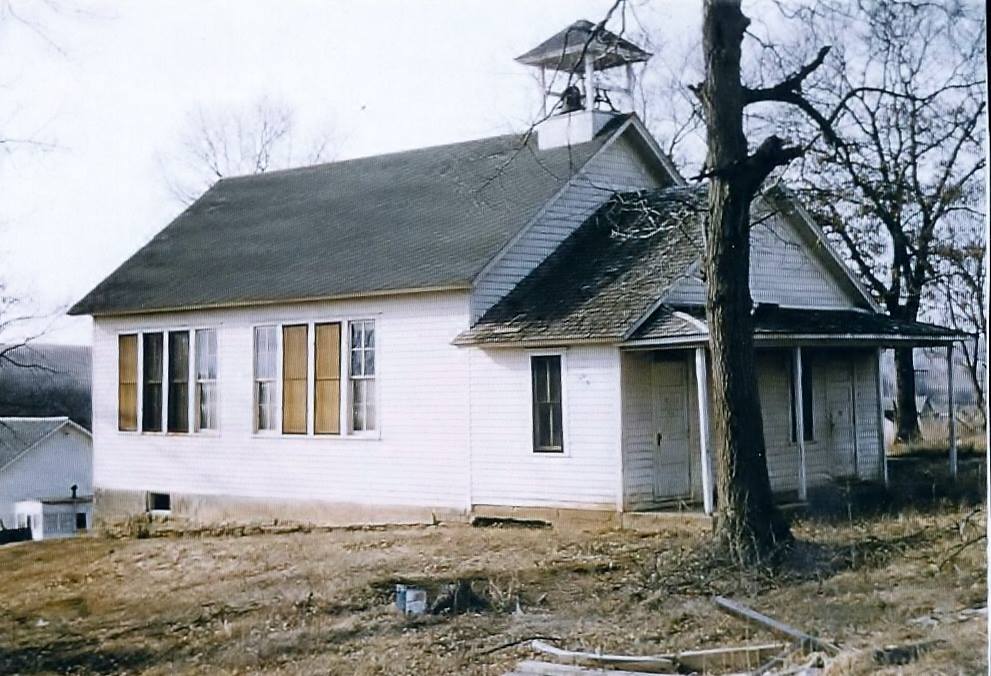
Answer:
(774, 324)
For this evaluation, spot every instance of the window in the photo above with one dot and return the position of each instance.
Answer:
(178, 381)
(206, 379)
(294, 367)
(808, 420)
(362, 376)
(266, 369)
(159, 502)
(152, 364)
(548, 427)
(80, 521)
(327, 379)
(127, 383)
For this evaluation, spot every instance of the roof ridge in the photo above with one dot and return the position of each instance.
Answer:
(392, 153)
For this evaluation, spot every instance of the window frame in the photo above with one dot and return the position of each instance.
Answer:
(195, 381)
(534, 451)
(351, 378)
(346, 431)
(164, 331)
(277, 381)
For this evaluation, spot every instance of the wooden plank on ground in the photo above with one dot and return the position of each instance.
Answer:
(648, 664)
(729, 659)
(807, 642)
(535, 668)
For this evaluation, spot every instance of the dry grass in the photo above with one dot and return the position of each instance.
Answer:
(319, 602)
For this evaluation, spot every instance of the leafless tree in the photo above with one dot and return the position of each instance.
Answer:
(232, 142)
(961, 295)
(903, 180)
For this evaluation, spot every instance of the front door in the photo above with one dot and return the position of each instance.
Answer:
(672, 452)
(839, 403)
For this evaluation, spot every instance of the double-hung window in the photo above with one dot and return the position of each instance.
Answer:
(178, 381)
(153, 364)
(127, 382)
(362, 376)
(327, 379)
(266, 372)
(294, 374)
(206, 379)
(548, 404)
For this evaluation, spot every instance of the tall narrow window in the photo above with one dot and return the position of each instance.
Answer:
(178, 381)
(362, 376)
(804, 408)
(327, 379)
(127, 383)
(548, 427)
(266, 371)
(294, 351)
(151, 394)
(206, 379)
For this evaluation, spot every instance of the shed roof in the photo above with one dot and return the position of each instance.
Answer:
(421, 219)
(19, 434)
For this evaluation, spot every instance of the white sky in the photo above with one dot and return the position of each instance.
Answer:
(382, 76)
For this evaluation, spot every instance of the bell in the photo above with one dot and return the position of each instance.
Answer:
(571, 100)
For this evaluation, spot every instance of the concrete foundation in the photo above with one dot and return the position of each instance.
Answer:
(114, 506)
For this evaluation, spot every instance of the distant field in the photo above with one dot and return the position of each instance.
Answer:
(320, 602)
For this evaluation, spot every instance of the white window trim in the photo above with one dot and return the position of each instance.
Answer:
(194, 408)
(191, 403)
(277, 430)
(346, 432)
(566, 432)
(346, 399)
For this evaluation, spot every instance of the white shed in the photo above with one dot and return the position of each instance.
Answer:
(55, 517)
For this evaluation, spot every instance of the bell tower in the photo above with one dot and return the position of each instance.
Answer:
(582, 69)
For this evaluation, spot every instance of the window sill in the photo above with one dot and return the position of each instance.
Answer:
(318, 437)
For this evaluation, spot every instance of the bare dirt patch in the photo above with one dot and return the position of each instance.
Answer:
(321, 602)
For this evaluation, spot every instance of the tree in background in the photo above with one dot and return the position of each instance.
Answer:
(900, 190)
(233, 142)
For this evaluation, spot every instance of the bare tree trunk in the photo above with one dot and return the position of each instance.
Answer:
(748, 522)
(906, 412)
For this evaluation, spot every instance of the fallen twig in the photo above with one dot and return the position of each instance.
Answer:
(519, 641)
(649, 664)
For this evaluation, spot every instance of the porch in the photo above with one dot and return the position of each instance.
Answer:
(819, 383)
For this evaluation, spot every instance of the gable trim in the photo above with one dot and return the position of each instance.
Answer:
(66, 423)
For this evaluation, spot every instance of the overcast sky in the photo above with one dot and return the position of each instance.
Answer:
(111, 86)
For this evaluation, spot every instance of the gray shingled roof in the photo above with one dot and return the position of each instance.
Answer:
(19, 434)
(771, 321)
(424, 218)
(604, 277)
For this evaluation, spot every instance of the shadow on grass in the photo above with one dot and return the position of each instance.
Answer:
(73, 656)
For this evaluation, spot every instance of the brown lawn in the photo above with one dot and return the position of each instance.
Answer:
(320, 602)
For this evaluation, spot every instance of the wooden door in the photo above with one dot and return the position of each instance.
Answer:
(672, 451)
(839, 407)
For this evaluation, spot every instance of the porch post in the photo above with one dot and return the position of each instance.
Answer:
(880, 417)
(799, 413)
(702, 388)
(952, 423)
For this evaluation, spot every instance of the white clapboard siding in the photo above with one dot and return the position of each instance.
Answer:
(504, 468)
(618, 167)
(49, 470)
(420, 457)
(783, 270)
